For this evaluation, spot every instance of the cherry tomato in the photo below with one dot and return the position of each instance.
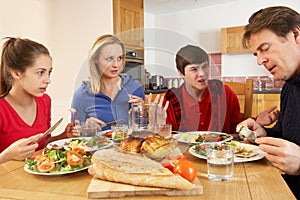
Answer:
(74, 158)
(186, 169)
(108, 134)
(44, 164)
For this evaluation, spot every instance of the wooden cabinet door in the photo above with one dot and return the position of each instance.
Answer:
(232, 40)
(262, 102)
(129, 21)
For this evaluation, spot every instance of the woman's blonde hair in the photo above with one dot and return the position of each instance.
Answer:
(95, 74)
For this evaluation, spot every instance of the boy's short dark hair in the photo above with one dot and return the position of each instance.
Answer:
(190, 55)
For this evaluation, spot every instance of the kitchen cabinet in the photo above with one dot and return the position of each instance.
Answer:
(231, 40)
(263, 101)
(129, 22)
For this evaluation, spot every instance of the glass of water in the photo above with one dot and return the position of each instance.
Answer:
(220, 163)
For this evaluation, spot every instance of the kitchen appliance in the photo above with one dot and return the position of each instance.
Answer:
(147, 80)
(134, 65)
(157, 82)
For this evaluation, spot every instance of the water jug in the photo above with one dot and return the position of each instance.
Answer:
(142, 117)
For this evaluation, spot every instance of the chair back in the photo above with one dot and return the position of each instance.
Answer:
(244, 92)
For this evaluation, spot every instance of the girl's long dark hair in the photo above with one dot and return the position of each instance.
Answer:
(17, 54)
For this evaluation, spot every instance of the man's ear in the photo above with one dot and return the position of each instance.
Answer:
(296, 33)
(180, 74)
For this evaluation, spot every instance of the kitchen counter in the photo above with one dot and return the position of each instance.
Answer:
(267, 91)
(158, 91)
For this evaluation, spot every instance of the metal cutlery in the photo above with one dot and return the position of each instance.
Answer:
(49, 131)
(114, 122)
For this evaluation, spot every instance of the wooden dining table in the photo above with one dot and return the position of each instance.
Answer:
(252, 180)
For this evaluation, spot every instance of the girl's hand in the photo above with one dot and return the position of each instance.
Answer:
(19, 150)
(72, 129)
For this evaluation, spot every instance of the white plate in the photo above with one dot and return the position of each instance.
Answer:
(102, 133)
(259, 156)
(52, 174)
(177, 137)
(62, 143)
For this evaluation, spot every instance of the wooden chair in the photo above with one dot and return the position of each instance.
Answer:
(244, 92)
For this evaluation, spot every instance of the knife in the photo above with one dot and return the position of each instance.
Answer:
(49, 131)
(114, 122)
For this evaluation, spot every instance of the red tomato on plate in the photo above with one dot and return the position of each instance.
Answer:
(74, 158)
(108, 134)
(44, 164)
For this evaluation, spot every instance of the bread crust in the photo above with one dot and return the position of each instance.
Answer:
(135, 170)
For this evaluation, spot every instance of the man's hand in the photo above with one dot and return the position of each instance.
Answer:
(283, 154)
(267, 116)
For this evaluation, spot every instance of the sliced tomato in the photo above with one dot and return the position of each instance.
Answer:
(102, 140)
(44, 164)
(80, 150)
(176, 157)
(74, 158)
(169, 164)
(186, 169)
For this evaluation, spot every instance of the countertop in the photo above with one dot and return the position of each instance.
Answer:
(158, 91)
(267, 91)
(255, 91)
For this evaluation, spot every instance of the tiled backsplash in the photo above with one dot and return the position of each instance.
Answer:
(266, 81)
(216, 60)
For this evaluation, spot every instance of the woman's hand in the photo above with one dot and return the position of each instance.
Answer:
(267, 116)
(20, 149)
(98, 122)
(161, 110)
(283, 154)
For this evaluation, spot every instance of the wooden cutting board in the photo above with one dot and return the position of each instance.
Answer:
(106, 189)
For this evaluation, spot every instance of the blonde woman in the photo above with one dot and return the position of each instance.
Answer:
(107, 95)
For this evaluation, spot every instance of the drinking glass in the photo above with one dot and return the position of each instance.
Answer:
(164, 130)
(220, 163)
(119, 131)
(88, 130)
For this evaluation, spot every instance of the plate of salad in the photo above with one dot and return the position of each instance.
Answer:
(242, 152)
(197, 137)
(89, 144)
(58, 162)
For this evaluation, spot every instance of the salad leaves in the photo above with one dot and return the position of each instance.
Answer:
(57, 158)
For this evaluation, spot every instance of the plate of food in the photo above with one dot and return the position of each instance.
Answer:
(243, 152)
(58, 162)
(89, 144)
(106, 133)
(197, 137)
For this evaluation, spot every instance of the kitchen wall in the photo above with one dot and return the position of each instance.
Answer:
(67, 28)
(202, 26)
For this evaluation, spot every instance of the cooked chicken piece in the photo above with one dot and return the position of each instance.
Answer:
(130, 145)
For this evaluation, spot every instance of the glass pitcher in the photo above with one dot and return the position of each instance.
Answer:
(142, 117)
